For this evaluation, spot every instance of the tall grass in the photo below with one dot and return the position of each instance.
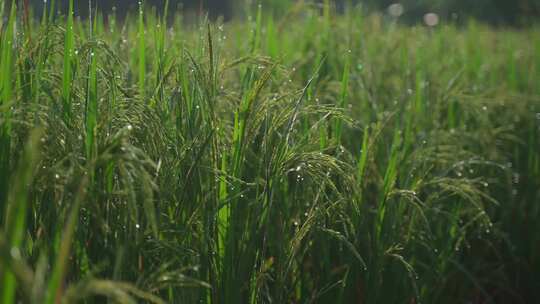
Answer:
(298, 156)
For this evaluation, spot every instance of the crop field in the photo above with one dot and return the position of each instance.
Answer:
(306, 156)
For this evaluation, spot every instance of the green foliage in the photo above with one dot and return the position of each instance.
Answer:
(298, 157)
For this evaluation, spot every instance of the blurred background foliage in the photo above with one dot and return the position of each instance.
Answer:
(497, 12)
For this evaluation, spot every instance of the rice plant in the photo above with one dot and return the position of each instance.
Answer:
(298, 155)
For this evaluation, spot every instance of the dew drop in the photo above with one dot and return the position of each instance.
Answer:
(15, 253)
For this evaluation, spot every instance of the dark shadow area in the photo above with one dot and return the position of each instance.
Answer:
(496, 12)
(214, 8)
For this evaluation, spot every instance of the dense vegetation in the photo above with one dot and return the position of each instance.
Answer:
(305, 158)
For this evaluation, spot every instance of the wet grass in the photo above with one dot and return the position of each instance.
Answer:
(307, 157)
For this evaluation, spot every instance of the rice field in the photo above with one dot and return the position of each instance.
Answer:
(303, 156)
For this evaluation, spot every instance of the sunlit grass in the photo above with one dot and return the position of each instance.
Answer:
(298, 157)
